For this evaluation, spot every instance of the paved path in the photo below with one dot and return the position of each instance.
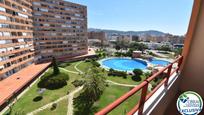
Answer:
(81, 72)
(70, 100)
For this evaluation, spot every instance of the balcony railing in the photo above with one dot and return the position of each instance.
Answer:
(169, 70)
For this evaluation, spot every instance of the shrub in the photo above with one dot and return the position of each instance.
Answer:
(117, 73)
(88, 60)
(147, 74)
(137, 72)
(51, 81)
(136, 78)
(99, 55)
(95, 63)
(111, 69)
(38, 98)
(54, 106)
(77, 83)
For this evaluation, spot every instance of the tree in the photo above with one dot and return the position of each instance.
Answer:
(178, 51)
(137, 72)
(94, 85)
(55, 66)
(117, 47)
(138, 46)
(142, 47)
(164, 48)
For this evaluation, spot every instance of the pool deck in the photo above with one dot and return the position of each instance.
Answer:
(15, 83)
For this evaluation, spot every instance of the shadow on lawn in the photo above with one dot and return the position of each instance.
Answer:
(38, 98)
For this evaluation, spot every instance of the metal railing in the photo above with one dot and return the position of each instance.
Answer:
(169, 70)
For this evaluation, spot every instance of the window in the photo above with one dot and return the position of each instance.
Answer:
(57, 16)
(2, 41)
(37, 14)
(4, 25)
(44, 10)
(6, 33)
(2, 9)
(24, 34)
(36, 3)
(2, 17)
(2, 50)
(23, 15)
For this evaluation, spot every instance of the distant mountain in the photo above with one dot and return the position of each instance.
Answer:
(139, 33)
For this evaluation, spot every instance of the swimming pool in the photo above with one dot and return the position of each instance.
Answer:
(124, 64)
(159, 62)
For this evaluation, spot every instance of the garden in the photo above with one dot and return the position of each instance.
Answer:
(66, 88)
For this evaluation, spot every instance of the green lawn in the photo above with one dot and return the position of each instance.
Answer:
(127, 80)
(84, 66)
(60, 110)
(48, 96)
(112, 93)
(71, 67)
(26, 104)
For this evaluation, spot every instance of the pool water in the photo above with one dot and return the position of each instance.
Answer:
(159, 62)
(124, 64)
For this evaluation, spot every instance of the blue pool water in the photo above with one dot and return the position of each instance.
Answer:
(124, 64)
(159, 62)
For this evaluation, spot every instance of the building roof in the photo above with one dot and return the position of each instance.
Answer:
(17, 81)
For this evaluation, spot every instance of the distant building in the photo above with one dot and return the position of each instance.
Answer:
(97, 38)
(136, 54)
(124, 38)
(135, 38)
(163, 38)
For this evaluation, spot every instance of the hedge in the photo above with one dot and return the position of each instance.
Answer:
(113, 72)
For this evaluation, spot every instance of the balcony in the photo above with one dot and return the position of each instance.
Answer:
(148, 100)
(184, 74)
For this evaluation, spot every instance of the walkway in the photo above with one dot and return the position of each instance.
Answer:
(69, 97)
(70, 100)
(81, 72)
(69, 71)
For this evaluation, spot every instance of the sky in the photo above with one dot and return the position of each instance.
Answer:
(169, 16)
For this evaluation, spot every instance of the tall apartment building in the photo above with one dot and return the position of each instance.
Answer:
(60, 29)
(16, 36)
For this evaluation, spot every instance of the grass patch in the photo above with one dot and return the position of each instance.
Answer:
(61, 109)
(48, 96)
(83, 66)
(112, 93)
(71, 66)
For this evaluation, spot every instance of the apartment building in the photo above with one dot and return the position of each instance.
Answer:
(124, 38)
(60, 29)
(97, 38)
(16, 36)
